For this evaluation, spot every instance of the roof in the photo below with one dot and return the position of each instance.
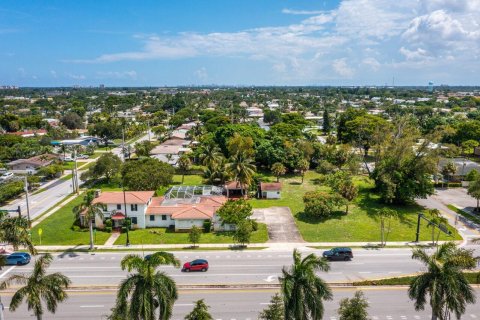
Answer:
(204, 209)
(117, 216)
(131, 197)
(175, 142)
(29, 133)
(166, 149)
(234, 185)
(271, 186)
(38, 161)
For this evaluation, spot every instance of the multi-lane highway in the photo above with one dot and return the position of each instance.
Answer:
(385, 304)
(227, 267)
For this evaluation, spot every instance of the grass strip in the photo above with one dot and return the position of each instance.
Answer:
(472, 277)
(464, 213)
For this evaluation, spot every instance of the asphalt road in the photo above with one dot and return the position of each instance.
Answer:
(57, 191)
(385, 304)
(226, 267)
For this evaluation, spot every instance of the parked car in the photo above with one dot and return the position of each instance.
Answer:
(338, 254)
(6, 176)
(18, 259)
(67, 159)
(195, 265)
(82, 156)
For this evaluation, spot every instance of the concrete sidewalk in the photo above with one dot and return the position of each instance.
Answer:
(261, 246)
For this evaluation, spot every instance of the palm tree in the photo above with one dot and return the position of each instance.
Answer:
(14, 230)
(199, 312)
(444, 281)
(211, 153)
(184, 164)
(278, 169)
(303, 166)
(146, 290)
(88, 211)
(302, 289)
(39, 287)
(63, 149)
(241, 169)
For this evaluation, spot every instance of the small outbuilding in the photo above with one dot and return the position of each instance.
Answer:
(270, 190)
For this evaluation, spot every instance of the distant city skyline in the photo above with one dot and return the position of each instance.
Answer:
(248, 42)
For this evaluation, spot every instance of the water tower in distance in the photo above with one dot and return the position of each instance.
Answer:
(430, 86)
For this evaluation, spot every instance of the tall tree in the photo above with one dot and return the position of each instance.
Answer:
(449, 170)
(349, 191)
(278, 169)
(146, 294)
(327, 126)
(443, 281)
(354, 308)
(194, 235)
(146, 174)
(474, 191)
(303, 291)
(107, 166)
(184, 164)
(14, 230)
(199, 312)
(302, 166)
(241, 169)
(210, 154)
(88, 211)
(39, 287)
(143, 148)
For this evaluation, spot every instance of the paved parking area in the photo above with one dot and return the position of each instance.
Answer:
(280, 224)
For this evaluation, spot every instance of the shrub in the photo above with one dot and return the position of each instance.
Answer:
(207, 226)
(254, 225)
(108, 229)
(321, 204)
(325, 167)
(108, 223)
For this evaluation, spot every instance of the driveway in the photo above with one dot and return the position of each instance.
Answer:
(280, 224)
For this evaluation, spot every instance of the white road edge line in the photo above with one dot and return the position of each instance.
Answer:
(7, 271)
(93, 306)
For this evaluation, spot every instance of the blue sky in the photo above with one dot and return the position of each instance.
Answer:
(248, 42)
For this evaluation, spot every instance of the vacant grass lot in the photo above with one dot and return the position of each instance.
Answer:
(163, 236)
(69, 165)
(57, 229)
(359, 225)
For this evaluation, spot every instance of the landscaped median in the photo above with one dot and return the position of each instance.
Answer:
(472, 277)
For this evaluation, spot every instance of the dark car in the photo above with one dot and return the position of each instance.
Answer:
(196, 265)
(338, 254)
(17, 259)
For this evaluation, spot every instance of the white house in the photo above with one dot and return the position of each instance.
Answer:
(270, 190)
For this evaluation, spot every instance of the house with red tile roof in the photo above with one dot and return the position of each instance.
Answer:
(145, 210)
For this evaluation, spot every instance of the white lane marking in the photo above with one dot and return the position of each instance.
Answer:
(389, 317)
(335, 273)
(473, 316)
(265, 303)
(364, 272)
(93, 306)
(112, 258)
(7, 271)
(374, 318)
(416, 317)
(403, 317)
(392, 272)
(183, 304)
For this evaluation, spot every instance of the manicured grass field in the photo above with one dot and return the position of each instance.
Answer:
(472, 278)
(359, 225)
(69, 165)
(162, 236)
(57, 229)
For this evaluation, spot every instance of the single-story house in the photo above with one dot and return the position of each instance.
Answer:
(29, 133)
(171, 150)
(270, 190)
(31, 165)
(464, 166)
(145, 210)
(83, 141)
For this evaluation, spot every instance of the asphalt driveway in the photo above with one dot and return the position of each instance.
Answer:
(280, 224)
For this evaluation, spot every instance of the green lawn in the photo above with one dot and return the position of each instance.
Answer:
(468, 215)
(163, 236)
(472, 278)
(69, 165)
(57, 229)
(359, 225)
(95, 155)
(190, 180)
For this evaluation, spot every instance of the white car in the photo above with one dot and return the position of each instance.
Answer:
(68, 159)
(6, 176)
(82, 156)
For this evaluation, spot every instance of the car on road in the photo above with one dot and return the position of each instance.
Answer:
(195, 265)
(67, 159)
(17, 259)
(82, 156)
(6, 176)
(338, 254)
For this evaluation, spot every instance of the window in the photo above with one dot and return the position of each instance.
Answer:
(134, 207)
(164, 217)
(152, 217)
(134, 220)
(119, 207)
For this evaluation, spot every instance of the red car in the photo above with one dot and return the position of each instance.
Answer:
(195, 265)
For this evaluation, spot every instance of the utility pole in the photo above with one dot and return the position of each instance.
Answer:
(148, 129)
(2, 317)
(76, 171)
(26, 198)
(123, 143)
(127, 225)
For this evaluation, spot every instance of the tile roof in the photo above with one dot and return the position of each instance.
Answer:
(132, 197)
(204, 209)
(39, 161)
(270, 186)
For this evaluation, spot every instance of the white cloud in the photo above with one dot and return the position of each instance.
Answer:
(76, 76)
(302, 12)
(117, 75)
(341, 67)
(358, 37)
(202, 73)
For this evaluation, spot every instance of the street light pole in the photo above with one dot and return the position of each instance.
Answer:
(26, 198)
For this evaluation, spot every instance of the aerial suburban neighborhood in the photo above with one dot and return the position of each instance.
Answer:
(298, 165)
